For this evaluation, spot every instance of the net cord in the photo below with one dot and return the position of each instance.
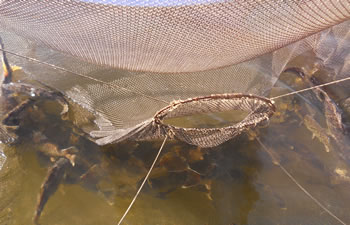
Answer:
(285, 171)
(144, 181)
(311, 88)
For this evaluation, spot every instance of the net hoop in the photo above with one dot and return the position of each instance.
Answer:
(259, 108)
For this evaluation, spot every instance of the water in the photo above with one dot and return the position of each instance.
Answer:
(234, 183)
(2, 157)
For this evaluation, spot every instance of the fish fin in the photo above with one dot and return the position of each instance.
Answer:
(71, 158)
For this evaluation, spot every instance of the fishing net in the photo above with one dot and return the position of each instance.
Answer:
(181, 49)
(259, 109)
(139, 69)
(176, 36)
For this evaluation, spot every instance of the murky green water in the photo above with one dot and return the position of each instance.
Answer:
(234, 183)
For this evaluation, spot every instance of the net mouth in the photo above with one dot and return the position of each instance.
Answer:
(255, 109)
(208, 120)
(242, 106)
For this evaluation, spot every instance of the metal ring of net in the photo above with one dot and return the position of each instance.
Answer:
(259, 109)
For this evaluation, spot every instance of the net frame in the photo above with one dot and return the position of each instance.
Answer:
(259, 109)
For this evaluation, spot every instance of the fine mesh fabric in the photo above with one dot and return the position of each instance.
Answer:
(126, 60)
(127, 99)
(181, 36)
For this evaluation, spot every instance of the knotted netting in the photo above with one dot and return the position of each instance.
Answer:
(166, 50)
(140, 68)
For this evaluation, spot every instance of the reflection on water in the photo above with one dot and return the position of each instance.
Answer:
(234, 183)
(2, 157)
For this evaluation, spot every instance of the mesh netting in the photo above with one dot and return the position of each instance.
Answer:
(258, 109)
(183, 36)
(133, 67)
(126, 98)
(181, 49)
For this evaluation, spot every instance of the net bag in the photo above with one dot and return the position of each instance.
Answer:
(140, 65)
(259, 109)
(126, 61)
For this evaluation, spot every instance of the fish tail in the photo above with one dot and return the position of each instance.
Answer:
(5, 64)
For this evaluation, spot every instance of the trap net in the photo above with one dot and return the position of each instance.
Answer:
(166, 51)
(197, 71)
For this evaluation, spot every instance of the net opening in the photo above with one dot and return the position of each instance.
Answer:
(254, 109)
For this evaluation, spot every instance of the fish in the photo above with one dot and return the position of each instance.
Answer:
(336, 133)
(334, 121)
(7, 70)
(9, 86)
(52, 151)
(52, 181)
(317, 131)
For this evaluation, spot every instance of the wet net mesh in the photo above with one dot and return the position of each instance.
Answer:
(131, 68)
(259, 109)
(124, 61)
(176, 36)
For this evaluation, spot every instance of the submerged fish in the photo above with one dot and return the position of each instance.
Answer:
(333, 115)
(50, 185)
(335, 131)
(317, 131)
(52, 151)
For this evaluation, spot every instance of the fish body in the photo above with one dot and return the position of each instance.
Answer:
(50, 185)
(317, 131)
(52, 151)
(7, 70)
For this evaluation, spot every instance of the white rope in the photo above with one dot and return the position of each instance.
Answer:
(310, 88)
(143, 182)
(277, 163)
